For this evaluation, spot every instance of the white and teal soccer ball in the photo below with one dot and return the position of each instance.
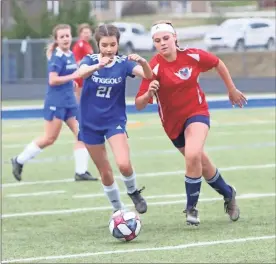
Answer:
(124, 225)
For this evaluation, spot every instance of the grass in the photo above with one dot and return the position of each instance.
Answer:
(234, 3)
(11, 103)
(243, 144)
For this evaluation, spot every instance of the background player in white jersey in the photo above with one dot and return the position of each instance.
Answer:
(103, 112)
(60, 105)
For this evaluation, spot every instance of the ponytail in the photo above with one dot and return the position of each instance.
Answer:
(50, 48)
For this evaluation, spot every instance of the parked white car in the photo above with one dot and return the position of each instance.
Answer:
(243, 33)
(134, 37)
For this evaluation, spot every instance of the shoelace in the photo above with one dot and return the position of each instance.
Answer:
(185, 211)
(228, 207)
(137, 192)
(142, 189)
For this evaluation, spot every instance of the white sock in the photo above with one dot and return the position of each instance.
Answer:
(113, 194)
(130, 183)
(81, 160)
(28, 153)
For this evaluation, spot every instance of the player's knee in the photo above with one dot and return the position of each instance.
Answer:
(193, 158)
(125, 168)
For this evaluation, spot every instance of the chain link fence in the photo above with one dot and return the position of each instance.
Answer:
(25, 61)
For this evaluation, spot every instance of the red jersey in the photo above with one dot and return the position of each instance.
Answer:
(80, 49)
(179, 96)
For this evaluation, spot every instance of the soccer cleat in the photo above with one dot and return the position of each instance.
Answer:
(85, 177)
(139, 201)
(192, 216)
(231, 207)
(16, 169)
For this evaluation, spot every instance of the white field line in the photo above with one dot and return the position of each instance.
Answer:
(164, 137)
(149, 174)
(176, 195)
(103, 208)
(135, 250)
(15, 195)
(214, 123)
(161, 152)
(209, 98)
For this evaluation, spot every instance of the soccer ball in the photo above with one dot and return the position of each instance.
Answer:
(125, 226)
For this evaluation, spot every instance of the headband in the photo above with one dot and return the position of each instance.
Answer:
(161, 28)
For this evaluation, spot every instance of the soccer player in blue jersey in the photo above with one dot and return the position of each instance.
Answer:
(60, 105)
(103, 112)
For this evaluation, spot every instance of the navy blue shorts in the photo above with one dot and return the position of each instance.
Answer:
(179, 142)
(62, 113)
(92, 137)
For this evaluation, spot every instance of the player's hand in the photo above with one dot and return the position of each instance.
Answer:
(153, 87)
(236, 97)
(104, 61)
(137, 58)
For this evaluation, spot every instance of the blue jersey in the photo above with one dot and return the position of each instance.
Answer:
(61, 95)
(102, 103)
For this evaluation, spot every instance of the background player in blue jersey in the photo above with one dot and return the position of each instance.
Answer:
(60, 105)
(103, 112)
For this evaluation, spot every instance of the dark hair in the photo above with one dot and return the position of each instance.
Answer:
(168, 22)
(107, 31)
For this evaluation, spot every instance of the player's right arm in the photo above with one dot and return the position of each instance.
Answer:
(146, 93)
(86, 69)
(147, 89)
(55, 68)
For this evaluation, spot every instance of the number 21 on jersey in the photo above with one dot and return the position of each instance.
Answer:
(104, 91)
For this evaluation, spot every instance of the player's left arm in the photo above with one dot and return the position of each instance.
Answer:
(208, 61)
(142, 70)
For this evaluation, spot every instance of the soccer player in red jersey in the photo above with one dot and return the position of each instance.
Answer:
(80, 49)
(184, 112)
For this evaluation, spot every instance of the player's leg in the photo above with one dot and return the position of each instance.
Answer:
(52, 129)
(120, 148)
(81, 154)
(195, 135)
(216, 181)
(214, 178)
(94, 143)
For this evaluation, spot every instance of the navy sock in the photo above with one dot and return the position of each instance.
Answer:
(218, 184)
(192, 190)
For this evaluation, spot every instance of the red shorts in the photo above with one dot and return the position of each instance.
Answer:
(79, 81)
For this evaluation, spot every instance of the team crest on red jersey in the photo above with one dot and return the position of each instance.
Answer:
(184, 73)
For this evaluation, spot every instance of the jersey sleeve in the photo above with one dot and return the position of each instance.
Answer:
(207, 60)
(144, 86)
(87, 60)
(129, 68)
(56, 64)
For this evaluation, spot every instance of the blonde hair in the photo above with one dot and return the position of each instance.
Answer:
(83, 26)
(51, 47)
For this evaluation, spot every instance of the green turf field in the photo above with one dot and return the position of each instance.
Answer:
(49, 218)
